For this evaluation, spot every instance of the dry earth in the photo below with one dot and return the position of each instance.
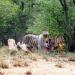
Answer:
(35, 64)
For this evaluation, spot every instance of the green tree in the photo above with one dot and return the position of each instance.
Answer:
(47, 16)
(7, 11)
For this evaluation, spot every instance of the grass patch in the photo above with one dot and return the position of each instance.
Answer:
(71, 59)
(28, 73)
(13, 52)
(3, 65)
(59, 65)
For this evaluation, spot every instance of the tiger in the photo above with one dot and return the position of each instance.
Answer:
(36, 41)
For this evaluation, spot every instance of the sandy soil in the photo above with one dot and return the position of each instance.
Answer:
(36, 64)
(39, 66)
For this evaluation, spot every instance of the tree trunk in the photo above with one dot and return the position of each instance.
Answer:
(66, 21)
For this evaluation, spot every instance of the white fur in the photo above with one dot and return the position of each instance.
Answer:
(22, 46)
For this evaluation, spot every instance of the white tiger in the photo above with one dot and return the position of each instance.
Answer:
(36, 41)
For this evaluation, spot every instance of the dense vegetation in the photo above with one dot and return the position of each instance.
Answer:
(18, 17)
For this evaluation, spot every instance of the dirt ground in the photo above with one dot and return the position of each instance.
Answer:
(20, 63)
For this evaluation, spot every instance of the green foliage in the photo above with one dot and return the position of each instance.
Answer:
(20, 16)
(14, 16)
(48, 14)
(7, 12)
